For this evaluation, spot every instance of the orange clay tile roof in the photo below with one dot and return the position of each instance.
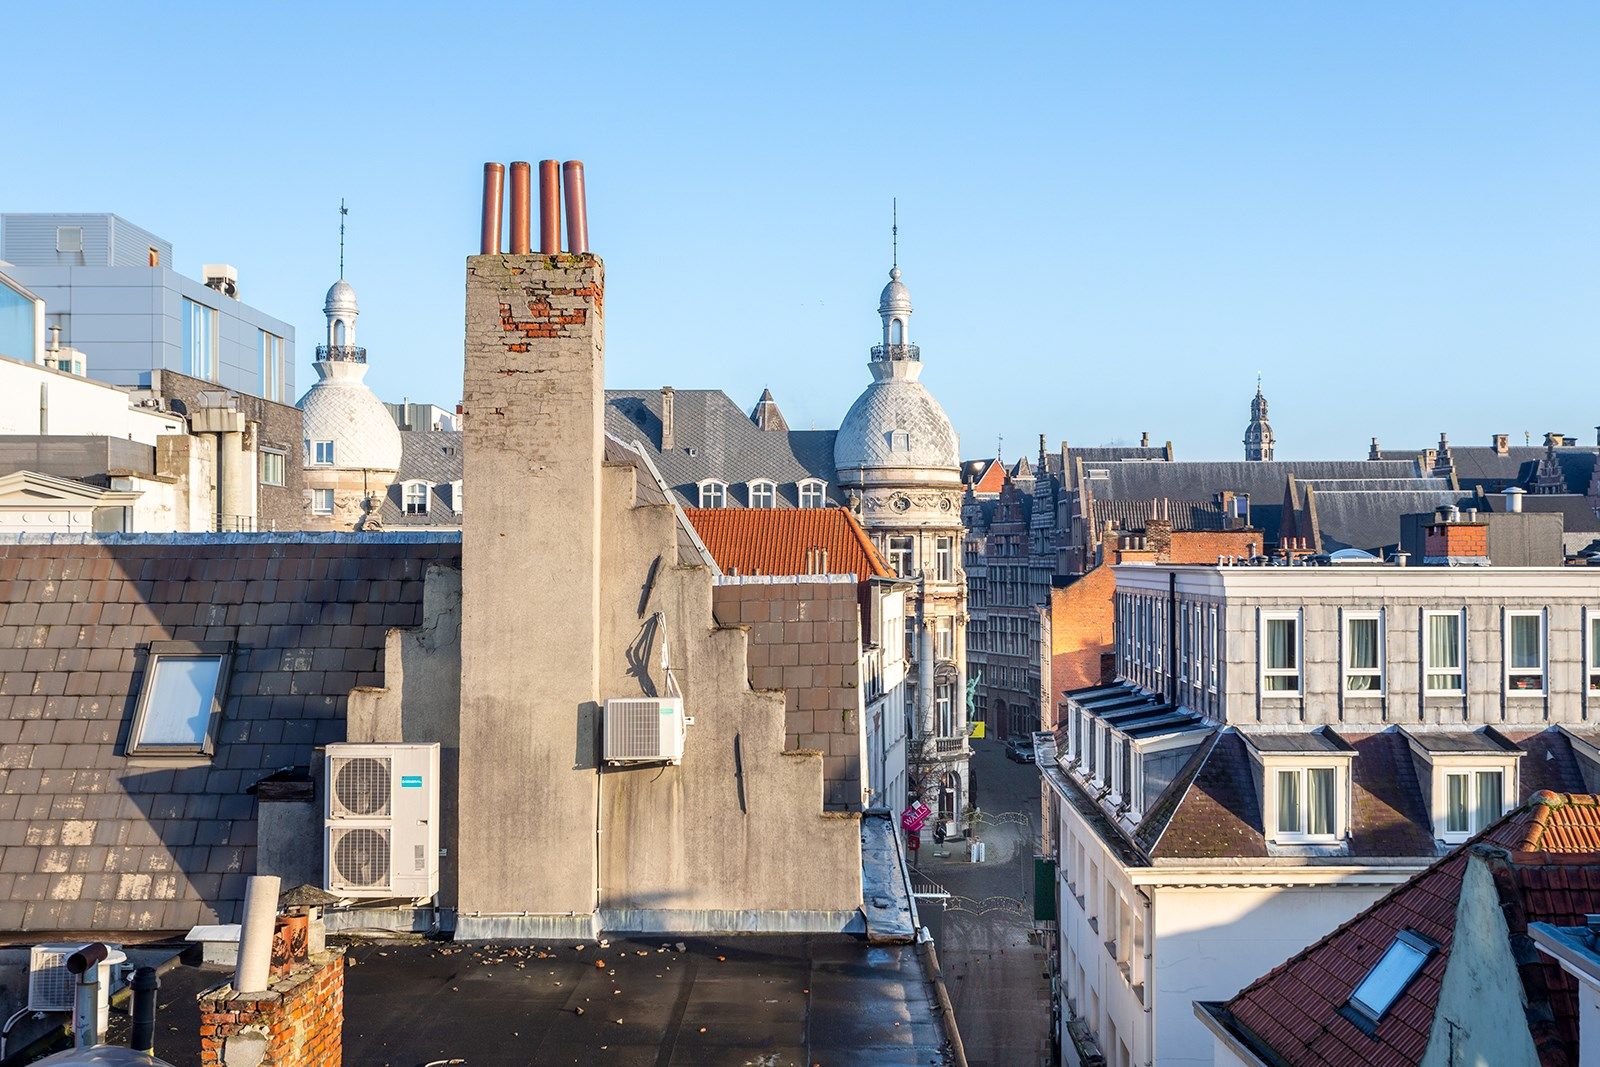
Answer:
(1553, 875)
(753, 541)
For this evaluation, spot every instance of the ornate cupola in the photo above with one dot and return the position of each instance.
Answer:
(1258, 435)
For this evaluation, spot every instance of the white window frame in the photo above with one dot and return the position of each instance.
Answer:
(811, 492)
(1302, 767)
(319, 495)
(1266, 672)
(271, 366)
(1213, 650)
(1592, 651)
(762, 493)
(713, 493)
(271, 454)
(221, 653)
(1429, 669)
(944, 559)
(907, 548)
(409, 491)
(1443, 772)
(1542, 671)
(317, 451)
(455, 496)
(1346, 646)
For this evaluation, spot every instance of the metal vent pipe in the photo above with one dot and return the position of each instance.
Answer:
(549, 207)
(520, 209)
(494, 178)
(577, 211)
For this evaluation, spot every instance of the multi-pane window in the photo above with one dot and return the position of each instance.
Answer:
(200, 340)
(455, 496)
(813, 494)
(1442, 654)
(1308, 803)
(416, 498)
(1594, 652)
(322, 453)
(1363, 655)
(944, 636)
(944, 551)
(271, 366)
(944, 708)
(1525, 651)
(1472, 800)
(271, 468)
(713, 494)
(763, 494)
(1213, 653)
(900, 555)
(1280, 653)
(322, 501)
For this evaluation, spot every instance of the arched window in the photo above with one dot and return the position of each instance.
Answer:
(897, 331)
(416, 498)
(713, 494)
(338, 332)
(763, 494)
(813, 493)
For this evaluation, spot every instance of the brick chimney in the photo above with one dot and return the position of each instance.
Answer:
(530, 685)
(1451, 542)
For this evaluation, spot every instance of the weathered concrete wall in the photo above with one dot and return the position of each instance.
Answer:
(1481, 1017)
(805, 640)
(421, 702)
(735, 837)
(533, 397)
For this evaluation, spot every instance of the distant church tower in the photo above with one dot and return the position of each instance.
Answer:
(1258, 435)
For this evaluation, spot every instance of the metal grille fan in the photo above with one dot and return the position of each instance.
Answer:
(360, 858)
(361, 787)
(51, 987)
(636, 729)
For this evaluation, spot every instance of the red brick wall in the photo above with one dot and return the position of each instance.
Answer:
(1469, 540)
(302, 1016)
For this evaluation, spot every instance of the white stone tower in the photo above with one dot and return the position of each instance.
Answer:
(1258, 435)
(899, 463)
(352, 446)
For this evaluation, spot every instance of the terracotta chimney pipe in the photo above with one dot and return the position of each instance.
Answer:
(577, 210)
(549, 207)
(494, 177)
(520, 209)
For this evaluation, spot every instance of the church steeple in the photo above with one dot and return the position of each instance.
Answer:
(1258, 435)
(896, 356)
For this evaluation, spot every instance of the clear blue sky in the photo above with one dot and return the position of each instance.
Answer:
(1112, 216)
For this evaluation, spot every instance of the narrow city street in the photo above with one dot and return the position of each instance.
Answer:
(983, 933)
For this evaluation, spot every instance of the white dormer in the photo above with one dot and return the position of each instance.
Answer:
(455, 496)
(762, 493)
(713, 494)
(1468, 776)
(1305, 789)
(414, 497)
(812, 492)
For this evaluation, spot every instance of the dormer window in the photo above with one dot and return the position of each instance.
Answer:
(415, 497)
(322, 453)
(763, 494)
(813, 493)
(1305, 784)
(899, 441)
(1473, 776)
(713, 494)
(1280, 654)
(1307, 807)
(1472, 800)
(455, 497)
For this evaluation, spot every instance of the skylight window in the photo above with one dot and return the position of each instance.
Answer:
(1390, 975)
(181, 699)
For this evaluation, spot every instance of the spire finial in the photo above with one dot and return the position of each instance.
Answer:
(894, 231)
(343, 211)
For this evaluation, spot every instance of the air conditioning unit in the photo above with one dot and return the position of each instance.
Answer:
(643, 730)
(51, 987)
(381, 824)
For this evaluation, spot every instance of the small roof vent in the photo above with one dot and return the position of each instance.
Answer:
(221, 277)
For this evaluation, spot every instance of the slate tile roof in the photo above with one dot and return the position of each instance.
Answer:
(432, 456)
(714, 438)
(1129, 515)
(1369, 519)
(754, 541)
(91, 839)
(1552, 874)
(1481, 465)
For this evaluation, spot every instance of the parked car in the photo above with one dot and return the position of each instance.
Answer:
(1020, 750)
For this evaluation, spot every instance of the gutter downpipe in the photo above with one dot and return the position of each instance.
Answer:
(941, 994)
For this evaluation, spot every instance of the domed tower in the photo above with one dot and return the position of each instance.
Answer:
(1258, 435)
(352, 446)
(899, 464)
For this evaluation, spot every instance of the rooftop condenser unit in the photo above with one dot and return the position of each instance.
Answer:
(643, 730)
(381, 824)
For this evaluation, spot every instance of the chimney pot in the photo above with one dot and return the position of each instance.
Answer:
(521, 192)
(577, 208)
(668, 437)
(494, 177)
(549, 207)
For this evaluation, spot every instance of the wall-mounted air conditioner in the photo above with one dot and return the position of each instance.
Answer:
(643, 730)
(381, 821)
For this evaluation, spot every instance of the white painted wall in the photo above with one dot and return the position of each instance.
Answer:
(76, 406)
(1212, 942)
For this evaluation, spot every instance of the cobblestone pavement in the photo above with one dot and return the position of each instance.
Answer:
(984, 933)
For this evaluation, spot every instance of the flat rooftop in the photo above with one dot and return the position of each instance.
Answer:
(774, 1000)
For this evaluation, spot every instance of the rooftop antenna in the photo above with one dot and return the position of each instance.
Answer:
(894, 231)
(343, 211)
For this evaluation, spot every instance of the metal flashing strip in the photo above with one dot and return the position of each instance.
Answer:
(706, 921)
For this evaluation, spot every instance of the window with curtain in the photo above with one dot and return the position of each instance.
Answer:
(1308, 802)
(1363, 664)
(1126, 786)
(1472, 800)
(1441, 653)
(1525, 652)
(1183, 643)
(1213, 653)
(1280, 654)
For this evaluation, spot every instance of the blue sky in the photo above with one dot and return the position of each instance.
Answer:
(1112, 216)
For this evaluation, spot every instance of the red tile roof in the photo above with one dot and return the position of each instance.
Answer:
(754, 541)
(1553, 875)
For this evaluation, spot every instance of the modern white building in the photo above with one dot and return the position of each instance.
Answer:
(1283, 745)
(899, 465)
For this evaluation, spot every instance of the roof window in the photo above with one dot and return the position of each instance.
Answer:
(1389, 977)
(181, 699)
